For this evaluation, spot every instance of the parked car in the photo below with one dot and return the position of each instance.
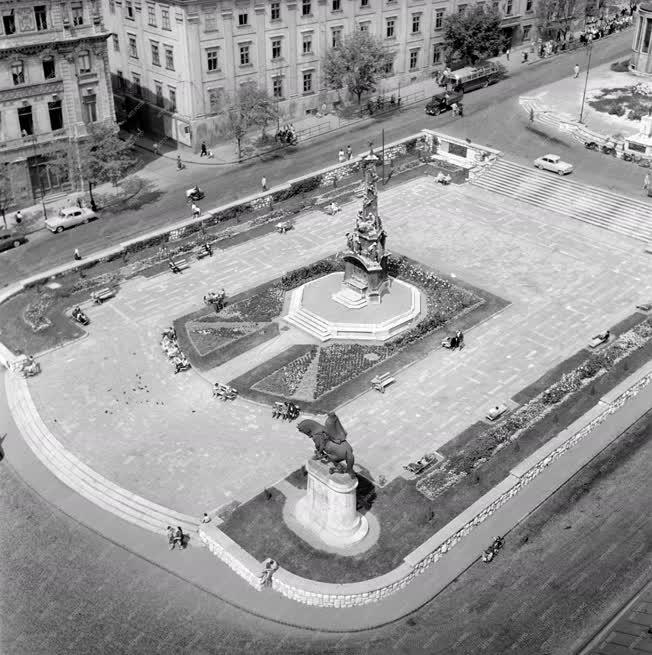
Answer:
(69, 217)
(553, 163)
(9, 239)
(443, 101)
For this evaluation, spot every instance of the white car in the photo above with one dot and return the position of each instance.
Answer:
(69, 217)
(553, 163)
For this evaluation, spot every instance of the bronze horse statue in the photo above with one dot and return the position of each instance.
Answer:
(330, 442)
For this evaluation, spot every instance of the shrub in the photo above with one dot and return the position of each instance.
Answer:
(300, 276)
(298, 188)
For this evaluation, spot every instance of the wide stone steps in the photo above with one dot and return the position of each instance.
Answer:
(81, 478)
(306, 320)
(605, 209)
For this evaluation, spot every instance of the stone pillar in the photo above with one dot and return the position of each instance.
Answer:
(230, 65)
(329, 507)
(293, 77)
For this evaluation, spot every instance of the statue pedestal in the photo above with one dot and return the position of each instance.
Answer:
(329, 507)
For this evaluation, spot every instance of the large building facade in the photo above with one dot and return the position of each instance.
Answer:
(173, 64)
(641, 61)
(54, 82)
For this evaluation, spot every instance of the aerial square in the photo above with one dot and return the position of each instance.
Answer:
(326, 327)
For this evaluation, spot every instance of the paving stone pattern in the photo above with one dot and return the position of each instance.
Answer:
(113, 400)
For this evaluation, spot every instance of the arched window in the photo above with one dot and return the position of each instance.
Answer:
(84, 61)
(49, 71)
(18, 73)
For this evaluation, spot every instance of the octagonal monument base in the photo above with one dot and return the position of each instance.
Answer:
(313, 309)
(328, 509)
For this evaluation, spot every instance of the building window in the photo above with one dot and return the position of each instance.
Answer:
(156, 56)
(439, 19)
(136, 86)
(172, 96)
(40, 15)
(391, 23)
(276, 49)
(337, 5)
(336, 33)
(509, 7)
(364, 3)
(18, 73)
(165, 19)
(133, 49)
(212, 60)
(416, 23)
(56, 115)
(244, 55)
(25, 121)
(306, 10)
(84, 61)
(158, 91)
(243, 19)
(364, 27)
(121, 80)
(49, 71)
(89, 107)
(436, 54)
(414, 59)
(276, 11)
(528, 5)
(116, 43)
(169, 57)
(151, 15)
(77, 11)
(462, 9)
(130, 10)
(389, 68)
(9, 23)
(307, 44)
(526, 32)
(307, 82)
(277, 87)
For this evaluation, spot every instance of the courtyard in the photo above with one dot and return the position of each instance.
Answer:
(113, 400)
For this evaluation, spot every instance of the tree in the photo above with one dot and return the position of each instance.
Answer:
(104, 157)
(236, 121)
(356, 62)
(556, 17)
(473, 35)
(6, 195)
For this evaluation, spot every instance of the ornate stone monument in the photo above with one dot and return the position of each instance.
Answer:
(328, 510)
(365, 260)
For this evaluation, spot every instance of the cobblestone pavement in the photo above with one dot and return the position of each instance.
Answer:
(571, 565)
(113, 400)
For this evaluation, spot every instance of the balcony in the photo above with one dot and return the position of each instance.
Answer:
(27, 90)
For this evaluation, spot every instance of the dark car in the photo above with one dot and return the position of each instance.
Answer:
(443, 101)
(10, 239)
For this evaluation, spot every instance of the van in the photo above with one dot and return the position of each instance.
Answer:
(469, 78)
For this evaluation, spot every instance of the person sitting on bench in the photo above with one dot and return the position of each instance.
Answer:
(333, 208)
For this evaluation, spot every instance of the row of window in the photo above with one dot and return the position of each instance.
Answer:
(49, 67)
(134, 86)
(40, 21)
(55, 112)
(152, 19)
(155, 50)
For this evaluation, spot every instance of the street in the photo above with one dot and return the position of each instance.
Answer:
(492, 116)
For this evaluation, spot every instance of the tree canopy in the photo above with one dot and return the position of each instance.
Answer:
(104, 156)
(356, 62)
(555, 17)
(473, 35)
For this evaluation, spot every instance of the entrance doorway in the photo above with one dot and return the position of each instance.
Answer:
(43, 179)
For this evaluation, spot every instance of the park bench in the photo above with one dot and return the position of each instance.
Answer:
(381, 381)
(421, 465)
(645, 307)
(102, 294)
(599, 339)
(204, 250)
(496, 412)
(177, 265)
(283, 227)
(224, 391)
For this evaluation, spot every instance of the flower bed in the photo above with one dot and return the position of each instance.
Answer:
(261, 307)
(286, 380)
(34, 313)
(341, 362)
(481, 449)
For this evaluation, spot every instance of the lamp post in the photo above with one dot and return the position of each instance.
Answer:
(586, 80)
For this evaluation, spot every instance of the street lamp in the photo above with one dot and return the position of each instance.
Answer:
(586, 80)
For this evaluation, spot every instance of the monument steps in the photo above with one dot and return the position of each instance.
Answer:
(81, 478)
(583, 202)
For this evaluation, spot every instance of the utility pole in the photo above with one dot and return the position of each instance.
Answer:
(586, 80)
(383, 153)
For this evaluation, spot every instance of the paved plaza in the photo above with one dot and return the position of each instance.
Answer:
(112, 397)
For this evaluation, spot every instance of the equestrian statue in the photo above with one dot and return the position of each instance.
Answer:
(331, 446)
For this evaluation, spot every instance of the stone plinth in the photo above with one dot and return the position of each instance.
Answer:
(329, 507)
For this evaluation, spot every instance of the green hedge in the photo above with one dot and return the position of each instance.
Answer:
(298, 188)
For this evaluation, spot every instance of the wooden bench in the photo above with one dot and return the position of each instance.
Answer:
(102, 294)
(496, 412)
(381, 381)
(599, 339)
(204, 251)
(177, 265)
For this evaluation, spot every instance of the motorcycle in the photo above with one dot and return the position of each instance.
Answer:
(194, 194)
(79, 316)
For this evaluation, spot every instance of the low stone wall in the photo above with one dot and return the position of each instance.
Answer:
(323, 594)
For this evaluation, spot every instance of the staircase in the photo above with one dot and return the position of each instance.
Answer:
(605, 209)
(79, 477)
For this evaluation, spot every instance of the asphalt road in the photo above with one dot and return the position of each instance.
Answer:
(492, 116)
(561, 575)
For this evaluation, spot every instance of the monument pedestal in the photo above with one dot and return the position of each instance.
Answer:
(329, 507)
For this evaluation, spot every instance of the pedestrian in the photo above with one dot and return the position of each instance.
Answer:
(179, 163)
(460, 339)
(204, 151)
(205, 518)
(19, 217)
(576, 70)
(179, 537)
(77, 256)
(531, 114)
(155, 148)
(507, 53)
(349, 152)
(646, 181)
(263, 183)
(341, 157)
(195, 210)
(170, 533)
